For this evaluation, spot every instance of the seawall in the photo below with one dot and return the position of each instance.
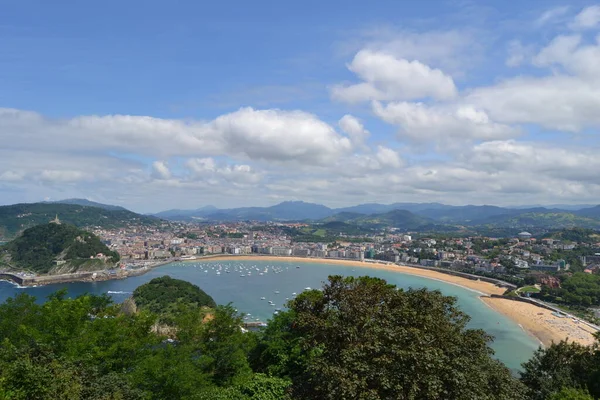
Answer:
(7, 276)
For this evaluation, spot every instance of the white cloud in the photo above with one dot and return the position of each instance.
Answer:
(588, 18)
(447, 124)
(536, 158)
(273, 135)
(389, 78)
(577, 59)
(555, 102)
(551, 15)
(200, 166)
(61, 176)
(12, 176)
(453, 50)
(388, 157)
(207, 169)
(279, 136)
(355, 129)
(160, 170)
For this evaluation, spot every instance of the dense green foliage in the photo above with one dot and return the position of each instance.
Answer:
(563, 365)
(360, 338)
(363, 338)
(577, 235)
(571, 394)
(170, 297)
(18, 217)
(579, 289)
(38, 247)
(85, 348)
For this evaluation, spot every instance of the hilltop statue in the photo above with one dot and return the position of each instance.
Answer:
(55, 220)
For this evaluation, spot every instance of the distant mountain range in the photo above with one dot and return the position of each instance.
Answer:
(406, 216)
(403, 215)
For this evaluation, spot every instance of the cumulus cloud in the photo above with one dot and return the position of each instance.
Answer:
(454, 50)
(538, 158)
(160, 170)
(576, 58)
(422, 123)
(387, 78)
(286, 136)
(354, 129)
(554, 102)
(388, 157)
(279, 135)
(588, 18)
(64, 176)
(207, 169)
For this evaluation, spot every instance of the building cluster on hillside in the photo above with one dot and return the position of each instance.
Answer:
(475, 254)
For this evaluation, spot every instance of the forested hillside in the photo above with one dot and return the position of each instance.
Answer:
(38, 248)
(18, 217)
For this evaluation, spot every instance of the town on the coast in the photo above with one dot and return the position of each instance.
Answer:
(534, 265)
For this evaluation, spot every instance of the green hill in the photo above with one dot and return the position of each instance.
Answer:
(170, 297)
(57, 248)
(88, 203)
(545, 220)
(18, 217)
(401, 219)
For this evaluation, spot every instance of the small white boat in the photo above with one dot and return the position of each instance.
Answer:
(308, 288)
(277, 292)
(262, 298)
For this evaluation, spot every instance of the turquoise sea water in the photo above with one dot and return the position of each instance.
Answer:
(512, 345)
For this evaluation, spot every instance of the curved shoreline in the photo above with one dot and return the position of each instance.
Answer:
(538, 322)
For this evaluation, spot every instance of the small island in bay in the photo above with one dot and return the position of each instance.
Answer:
(169, 298)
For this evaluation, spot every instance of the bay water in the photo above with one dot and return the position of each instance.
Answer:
(245, 283)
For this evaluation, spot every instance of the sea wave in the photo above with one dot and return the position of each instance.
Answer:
(16, 285)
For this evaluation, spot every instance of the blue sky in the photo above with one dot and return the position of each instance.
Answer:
(180, 104)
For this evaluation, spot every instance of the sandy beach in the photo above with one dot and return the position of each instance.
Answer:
(542, 323)
(538, 322)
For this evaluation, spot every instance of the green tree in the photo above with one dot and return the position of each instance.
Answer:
(363, 338)
(563, 364)
(571, 394)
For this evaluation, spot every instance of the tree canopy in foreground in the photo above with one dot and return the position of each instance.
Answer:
(358, 338)
(363, 338)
